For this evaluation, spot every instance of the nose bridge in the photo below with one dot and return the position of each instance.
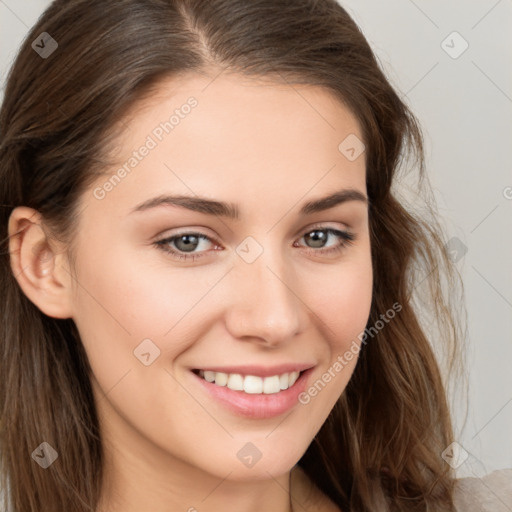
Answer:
(265, 305)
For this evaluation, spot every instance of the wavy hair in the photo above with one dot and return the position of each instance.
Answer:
(380, 448)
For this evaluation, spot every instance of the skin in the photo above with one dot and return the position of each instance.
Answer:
(268, 147)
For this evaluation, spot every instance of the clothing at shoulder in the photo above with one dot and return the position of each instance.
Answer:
(492, 493)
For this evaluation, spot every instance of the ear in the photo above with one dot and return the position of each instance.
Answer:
(39, 263)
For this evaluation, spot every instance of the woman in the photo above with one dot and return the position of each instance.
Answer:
(209, 281)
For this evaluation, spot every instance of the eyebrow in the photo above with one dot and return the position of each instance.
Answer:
(231, 211)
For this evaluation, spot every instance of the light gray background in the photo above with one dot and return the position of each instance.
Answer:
(465, 107)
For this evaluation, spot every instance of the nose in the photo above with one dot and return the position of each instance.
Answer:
(265, 305)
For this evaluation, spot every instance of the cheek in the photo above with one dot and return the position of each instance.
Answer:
(134, 296)
(118, 305)
(129, 306)
(133, 325)
(343, 301)
(343, 309)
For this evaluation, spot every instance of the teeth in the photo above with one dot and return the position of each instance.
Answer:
(209, 376)
(235, 382)
(292, 378)
(271, 385)
(221, 379)
(251, 384)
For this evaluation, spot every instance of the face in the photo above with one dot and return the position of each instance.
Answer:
(218, 323)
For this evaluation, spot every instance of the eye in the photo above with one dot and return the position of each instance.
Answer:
(185, 244)
(319, 236)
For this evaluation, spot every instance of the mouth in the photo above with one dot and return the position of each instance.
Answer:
(254, 392)
(251, 384)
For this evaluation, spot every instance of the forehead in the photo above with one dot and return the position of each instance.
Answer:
(220, 135)
(235, 106)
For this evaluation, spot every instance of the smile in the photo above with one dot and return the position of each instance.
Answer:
(251, 384)
(254, 391)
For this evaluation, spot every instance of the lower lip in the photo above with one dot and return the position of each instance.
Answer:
(257, 406)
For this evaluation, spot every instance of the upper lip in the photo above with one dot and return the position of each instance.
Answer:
(258, 370)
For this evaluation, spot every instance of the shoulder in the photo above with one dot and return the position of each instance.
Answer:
(306, 497)
(491, 493)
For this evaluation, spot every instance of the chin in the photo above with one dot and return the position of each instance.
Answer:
(257, 458)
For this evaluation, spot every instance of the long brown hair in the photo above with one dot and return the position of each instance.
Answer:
(380, 448)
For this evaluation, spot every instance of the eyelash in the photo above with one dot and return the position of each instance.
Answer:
(346, 237)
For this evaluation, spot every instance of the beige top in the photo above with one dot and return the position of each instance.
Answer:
(492, 493)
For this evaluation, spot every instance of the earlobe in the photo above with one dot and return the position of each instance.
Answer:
(37, 263)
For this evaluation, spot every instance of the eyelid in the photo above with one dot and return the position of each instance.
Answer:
(324, 225)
